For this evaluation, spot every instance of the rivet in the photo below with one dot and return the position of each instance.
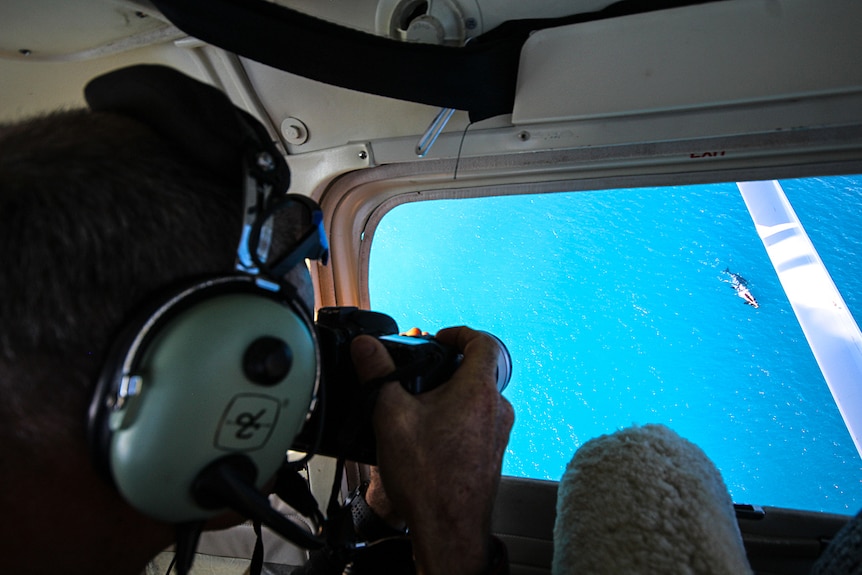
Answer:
(524, 136)
(25, 51)
(294, 130)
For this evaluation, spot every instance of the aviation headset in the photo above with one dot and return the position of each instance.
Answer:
(203, 393)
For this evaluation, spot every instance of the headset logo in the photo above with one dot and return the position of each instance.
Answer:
(247, 422)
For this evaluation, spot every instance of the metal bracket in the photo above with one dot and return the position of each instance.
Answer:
(430, 136)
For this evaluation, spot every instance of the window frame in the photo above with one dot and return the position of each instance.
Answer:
(355, 202)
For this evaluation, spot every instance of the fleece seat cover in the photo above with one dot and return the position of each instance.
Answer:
(644, 500)
(843, 555)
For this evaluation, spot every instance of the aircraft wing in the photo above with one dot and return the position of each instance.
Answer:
(828, 326)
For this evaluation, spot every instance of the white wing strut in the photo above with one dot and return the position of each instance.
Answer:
(826, 322)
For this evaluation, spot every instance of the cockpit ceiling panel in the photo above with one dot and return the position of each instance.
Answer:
(725, 54)
(59, 30)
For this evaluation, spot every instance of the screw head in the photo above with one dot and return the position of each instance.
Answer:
(265, 162)
(294, 130)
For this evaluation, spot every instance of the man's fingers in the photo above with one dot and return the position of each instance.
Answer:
(482, 353)
(372, 361)
(370, 358)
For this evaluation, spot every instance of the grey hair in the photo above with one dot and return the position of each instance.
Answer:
(97, 214)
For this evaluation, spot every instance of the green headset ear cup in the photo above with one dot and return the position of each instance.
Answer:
(195, 403)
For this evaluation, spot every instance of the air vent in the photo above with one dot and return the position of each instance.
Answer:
(441, 22)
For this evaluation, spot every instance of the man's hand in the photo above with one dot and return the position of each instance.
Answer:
(440, 453)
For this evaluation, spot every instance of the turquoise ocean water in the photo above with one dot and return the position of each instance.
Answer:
(614, 310)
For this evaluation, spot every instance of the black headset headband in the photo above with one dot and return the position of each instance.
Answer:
(197, 117)
(207, 128)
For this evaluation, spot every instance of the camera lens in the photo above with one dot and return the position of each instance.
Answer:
(504, 364)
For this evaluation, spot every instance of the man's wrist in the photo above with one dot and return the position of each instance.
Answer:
(453, 555)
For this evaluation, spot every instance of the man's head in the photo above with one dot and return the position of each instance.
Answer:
(98, 215)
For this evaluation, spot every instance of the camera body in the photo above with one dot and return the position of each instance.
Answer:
(341, 423)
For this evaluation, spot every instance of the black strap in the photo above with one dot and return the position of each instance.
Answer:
(479, 77)
(188, 535)
(229, 482)
(257, 555)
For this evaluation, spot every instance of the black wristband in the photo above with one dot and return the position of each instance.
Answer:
(366, 523)
(499, 564)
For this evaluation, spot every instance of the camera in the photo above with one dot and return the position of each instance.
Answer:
(340, 425)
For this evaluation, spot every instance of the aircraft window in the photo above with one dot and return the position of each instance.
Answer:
(617, 310)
